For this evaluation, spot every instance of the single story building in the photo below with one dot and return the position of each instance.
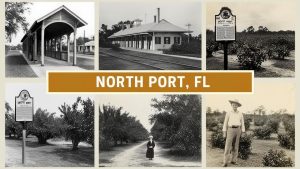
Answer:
(44, 38)
(87, 47)
(158, 35)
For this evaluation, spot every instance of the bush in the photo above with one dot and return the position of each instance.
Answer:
(194, 47)
(273, 124)
(281, 47)
(260, 121)
(247, 122)
(251, 56)
(263, 132)
(245, 146)
(211, 46)
(212, 124)
(276, 158)
(217, 140)
(286, 141)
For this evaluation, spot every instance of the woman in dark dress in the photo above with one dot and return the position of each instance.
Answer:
(150, 148)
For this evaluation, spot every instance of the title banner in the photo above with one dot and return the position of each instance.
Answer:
(118, 81)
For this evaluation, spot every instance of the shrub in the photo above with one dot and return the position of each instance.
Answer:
(263, 132)
(212, 124)
(245, 146)
(251, 57)
(273, 124)
(194, 47)
(287, 141)
(260, 121)
(217, 139)
(276, 158)
(211, 46)
(247, 122)
(282, 47)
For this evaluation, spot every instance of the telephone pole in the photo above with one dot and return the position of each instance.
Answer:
(189, 25)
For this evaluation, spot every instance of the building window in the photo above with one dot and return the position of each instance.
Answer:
(167, 40)
(157, 40)
(176, 40)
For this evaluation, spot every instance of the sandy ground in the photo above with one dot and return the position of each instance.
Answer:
(54, 154)
(134, 156)
(214, 156)
(270, 68)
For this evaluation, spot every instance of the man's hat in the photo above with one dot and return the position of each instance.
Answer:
(150, 136)
(235, 101)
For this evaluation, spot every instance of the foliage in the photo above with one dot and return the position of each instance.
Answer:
(117, 126)
(247, 122)
(251, 56)
(286, 140)
(193, 47)
(44, 126)
(75, 121)
(217, 139)
(178, 121)
(88, 120)
(273, 123)
(263, 132)
(211, 46)
(11, 126)
(276, 158)
(245, 146)
(15, 18)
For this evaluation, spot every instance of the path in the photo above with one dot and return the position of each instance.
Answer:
(135, 157)
(16, 65)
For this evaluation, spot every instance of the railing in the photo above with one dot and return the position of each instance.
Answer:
(63, 55)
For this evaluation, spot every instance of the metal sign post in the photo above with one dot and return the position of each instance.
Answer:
(225, 30)
(23, 113)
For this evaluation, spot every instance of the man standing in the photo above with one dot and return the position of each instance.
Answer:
(233, 127)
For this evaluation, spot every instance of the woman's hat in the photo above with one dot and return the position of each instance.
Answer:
(236, 102)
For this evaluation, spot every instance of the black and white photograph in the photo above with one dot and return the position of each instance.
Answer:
(43, 36)
(46, 130)
(256, 130)
(149, 130)
(150, 35)
(251, 35)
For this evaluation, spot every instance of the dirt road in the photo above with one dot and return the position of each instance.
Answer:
(135, 156)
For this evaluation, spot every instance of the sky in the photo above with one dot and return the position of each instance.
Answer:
(275, 15)
(38, 91)
(85, 10)
(179, 12)
(137, 105)
(273, 96)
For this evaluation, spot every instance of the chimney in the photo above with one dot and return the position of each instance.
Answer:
(158, 15)
(154, 18)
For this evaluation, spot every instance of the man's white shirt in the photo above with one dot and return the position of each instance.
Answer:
(233, 118)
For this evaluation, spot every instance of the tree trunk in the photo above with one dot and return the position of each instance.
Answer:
(75, 144)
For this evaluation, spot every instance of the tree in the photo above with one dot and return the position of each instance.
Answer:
(250, 29)
(77, 122)
(11, 126)
(44, 126)
(178, 121)
(15, 18)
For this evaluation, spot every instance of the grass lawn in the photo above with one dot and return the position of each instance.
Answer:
(56, 153)
(270, 68)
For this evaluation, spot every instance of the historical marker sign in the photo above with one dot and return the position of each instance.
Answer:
(225, 25)
(24, 107)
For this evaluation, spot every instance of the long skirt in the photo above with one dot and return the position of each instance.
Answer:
(150, 153)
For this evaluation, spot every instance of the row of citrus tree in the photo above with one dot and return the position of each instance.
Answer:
(75, 123)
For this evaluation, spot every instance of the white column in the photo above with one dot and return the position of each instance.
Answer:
(153, 41)
(35, 47)
(68, 47)
(42, 45)
(74, 52)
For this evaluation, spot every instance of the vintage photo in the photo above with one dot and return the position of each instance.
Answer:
(58, 130)
(252, 130)
(150, 35)
(264, 40)
(149, 130)
(42, 36)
